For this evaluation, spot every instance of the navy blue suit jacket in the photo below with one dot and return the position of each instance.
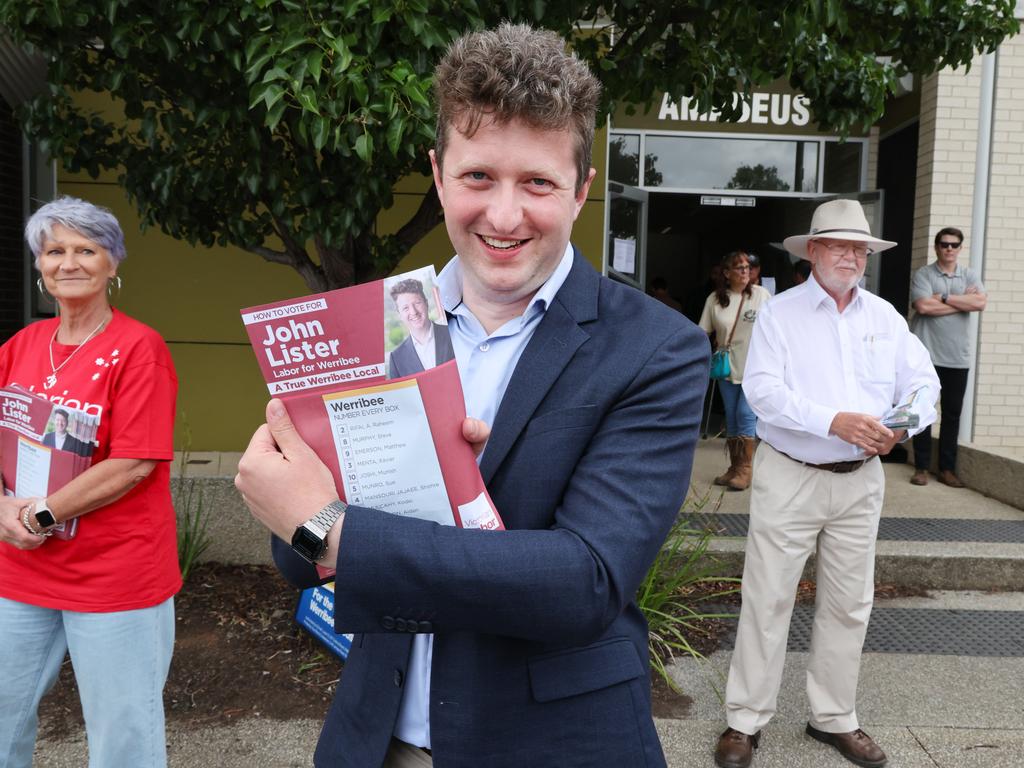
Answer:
(540, 652)
(404, 361)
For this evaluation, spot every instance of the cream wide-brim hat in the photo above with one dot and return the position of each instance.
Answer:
(837, 220)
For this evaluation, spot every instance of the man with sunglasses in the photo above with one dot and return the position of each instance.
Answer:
(943, 294)
(827, 361)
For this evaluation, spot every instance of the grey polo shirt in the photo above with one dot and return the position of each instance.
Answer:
(946, 338)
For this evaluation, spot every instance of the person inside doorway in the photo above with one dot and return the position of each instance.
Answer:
(728, 316)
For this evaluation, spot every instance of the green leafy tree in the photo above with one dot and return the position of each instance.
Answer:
(757, 177)
(281, 126)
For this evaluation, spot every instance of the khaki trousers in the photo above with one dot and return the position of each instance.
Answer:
(402, 755)
(794, 510)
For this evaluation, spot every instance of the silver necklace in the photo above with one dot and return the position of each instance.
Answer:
(51, 380)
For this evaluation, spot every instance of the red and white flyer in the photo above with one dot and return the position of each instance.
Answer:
(42, 447)
(369, 378)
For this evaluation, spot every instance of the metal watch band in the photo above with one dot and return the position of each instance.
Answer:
(329, 515)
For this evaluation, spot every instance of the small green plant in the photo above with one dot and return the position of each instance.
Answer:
(193, 537)
(682, 579)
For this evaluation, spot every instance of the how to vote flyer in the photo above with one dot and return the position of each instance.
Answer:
(43, 446)
(393, 444)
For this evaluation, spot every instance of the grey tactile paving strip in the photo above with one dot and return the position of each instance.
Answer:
(897, 528)
(923, 631)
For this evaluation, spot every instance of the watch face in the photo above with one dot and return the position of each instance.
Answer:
(45, 518)
(308, 545)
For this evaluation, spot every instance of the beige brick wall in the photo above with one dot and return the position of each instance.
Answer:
(945, 193)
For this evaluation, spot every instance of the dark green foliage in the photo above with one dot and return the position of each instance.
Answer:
(279, 124)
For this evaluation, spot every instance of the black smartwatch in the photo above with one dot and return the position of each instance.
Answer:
(310, 538)
(944, 297)
(44, 517)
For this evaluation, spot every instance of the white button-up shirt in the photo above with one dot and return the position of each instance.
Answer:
(808, 361)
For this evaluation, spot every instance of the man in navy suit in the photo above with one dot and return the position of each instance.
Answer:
(428, 343)
(61, 439)
(522, 647)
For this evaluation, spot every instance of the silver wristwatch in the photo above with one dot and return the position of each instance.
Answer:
(310, 538)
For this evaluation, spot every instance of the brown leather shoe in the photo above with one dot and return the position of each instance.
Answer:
(948, 478)
(735, 749)
(920, 477)
(856, 746)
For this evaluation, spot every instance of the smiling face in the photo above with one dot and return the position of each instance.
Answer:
(74, 269)
(838, 265)
(509, 205)
(412, 309)
(60, 423)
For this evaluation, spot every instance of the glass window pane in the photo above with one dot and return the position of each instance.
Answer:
(722, 163)
(842, 166)
(624, 159)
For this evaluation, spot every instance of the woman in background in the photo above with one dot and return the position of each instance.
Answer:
(730, 312)
(106, 595)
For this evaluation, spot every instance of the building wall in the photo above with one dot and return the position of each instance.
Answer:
(999, 417)
(945, 194)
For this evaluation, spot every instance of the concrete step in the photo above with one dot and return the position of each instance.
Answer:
(932, 536)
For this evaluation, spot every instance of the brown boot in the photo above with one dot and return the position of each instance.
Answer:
(732, 445)
(745, 465)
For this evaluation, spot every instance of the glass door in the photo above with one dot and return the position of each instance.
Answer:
(625, 255)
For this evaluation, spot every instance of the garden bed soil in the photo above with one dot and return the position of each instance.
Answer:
(239, 654)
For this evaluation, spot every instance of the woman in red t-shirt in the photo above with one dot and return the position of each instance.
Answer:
(105, 595)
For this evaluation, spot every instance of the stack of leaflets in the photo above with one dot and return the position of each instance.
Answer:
(43, 446)
(368, 376)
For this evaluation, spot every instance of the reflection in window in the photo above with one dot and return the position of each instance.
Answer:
(624, 159)
(693, 162)
(842, 166)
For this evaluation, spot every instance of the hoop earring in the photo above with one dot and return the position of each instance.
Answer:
(41, 287)
(114, 287)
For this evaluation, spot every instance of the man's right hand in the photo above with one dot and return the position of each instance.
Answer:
(862, 430)
(281, 479)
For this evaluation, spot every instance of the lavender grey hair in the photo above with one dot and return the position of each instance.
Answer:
(516, 72)
(91, 221)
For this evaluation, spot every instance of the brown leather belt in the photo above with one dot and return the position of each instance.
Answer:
(838, 467)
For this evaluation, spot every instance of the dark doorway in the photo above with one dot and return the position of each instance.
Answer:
(897, 177)
(686, 237)
(12, 253)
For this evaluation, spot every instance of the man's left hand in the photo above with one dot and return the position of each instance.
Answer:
(887, 446)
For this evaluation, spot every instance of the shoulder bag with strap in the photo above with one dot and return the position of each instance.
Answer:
(720, 368)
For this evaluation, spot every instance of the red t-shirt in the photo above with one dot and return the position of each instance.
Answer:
(125, 555)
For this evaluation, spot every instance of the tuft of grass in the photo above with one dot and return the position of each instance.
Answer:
(193, 536)
(682, 580)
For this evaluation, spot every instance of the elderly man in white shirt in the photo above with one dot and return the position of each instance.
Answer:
(827, 361)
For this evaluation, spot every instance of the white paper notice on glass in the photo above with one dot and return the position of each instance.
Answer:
(33, 474)
(386, 452)
(624, 255)
(768, 283)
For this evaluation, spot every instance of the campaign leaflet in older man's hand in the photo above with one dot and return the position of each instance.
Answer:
(393, 444)
(43, 446)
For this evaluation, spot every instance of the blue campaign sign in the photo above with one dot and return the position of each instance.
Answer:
(315, 614)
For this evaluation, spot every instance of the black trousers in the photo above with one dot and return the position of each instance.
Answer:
(951, 401)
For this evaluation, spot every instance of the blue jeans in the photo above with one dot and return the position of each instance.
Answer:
(120, 661)
(739, 419)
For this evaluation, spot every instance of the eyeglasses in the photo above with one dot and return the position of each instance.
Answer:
(945, 244)
(744, 268)
(838, 250)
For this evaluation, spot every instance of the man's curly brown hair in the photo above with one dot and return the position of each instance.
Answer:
(516, 72)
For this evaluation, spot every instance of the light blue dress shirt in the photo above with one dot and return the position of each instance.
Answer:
(486, 362)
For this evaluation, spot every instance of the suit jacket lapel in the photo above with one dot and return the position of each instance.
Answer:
(553, 345)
